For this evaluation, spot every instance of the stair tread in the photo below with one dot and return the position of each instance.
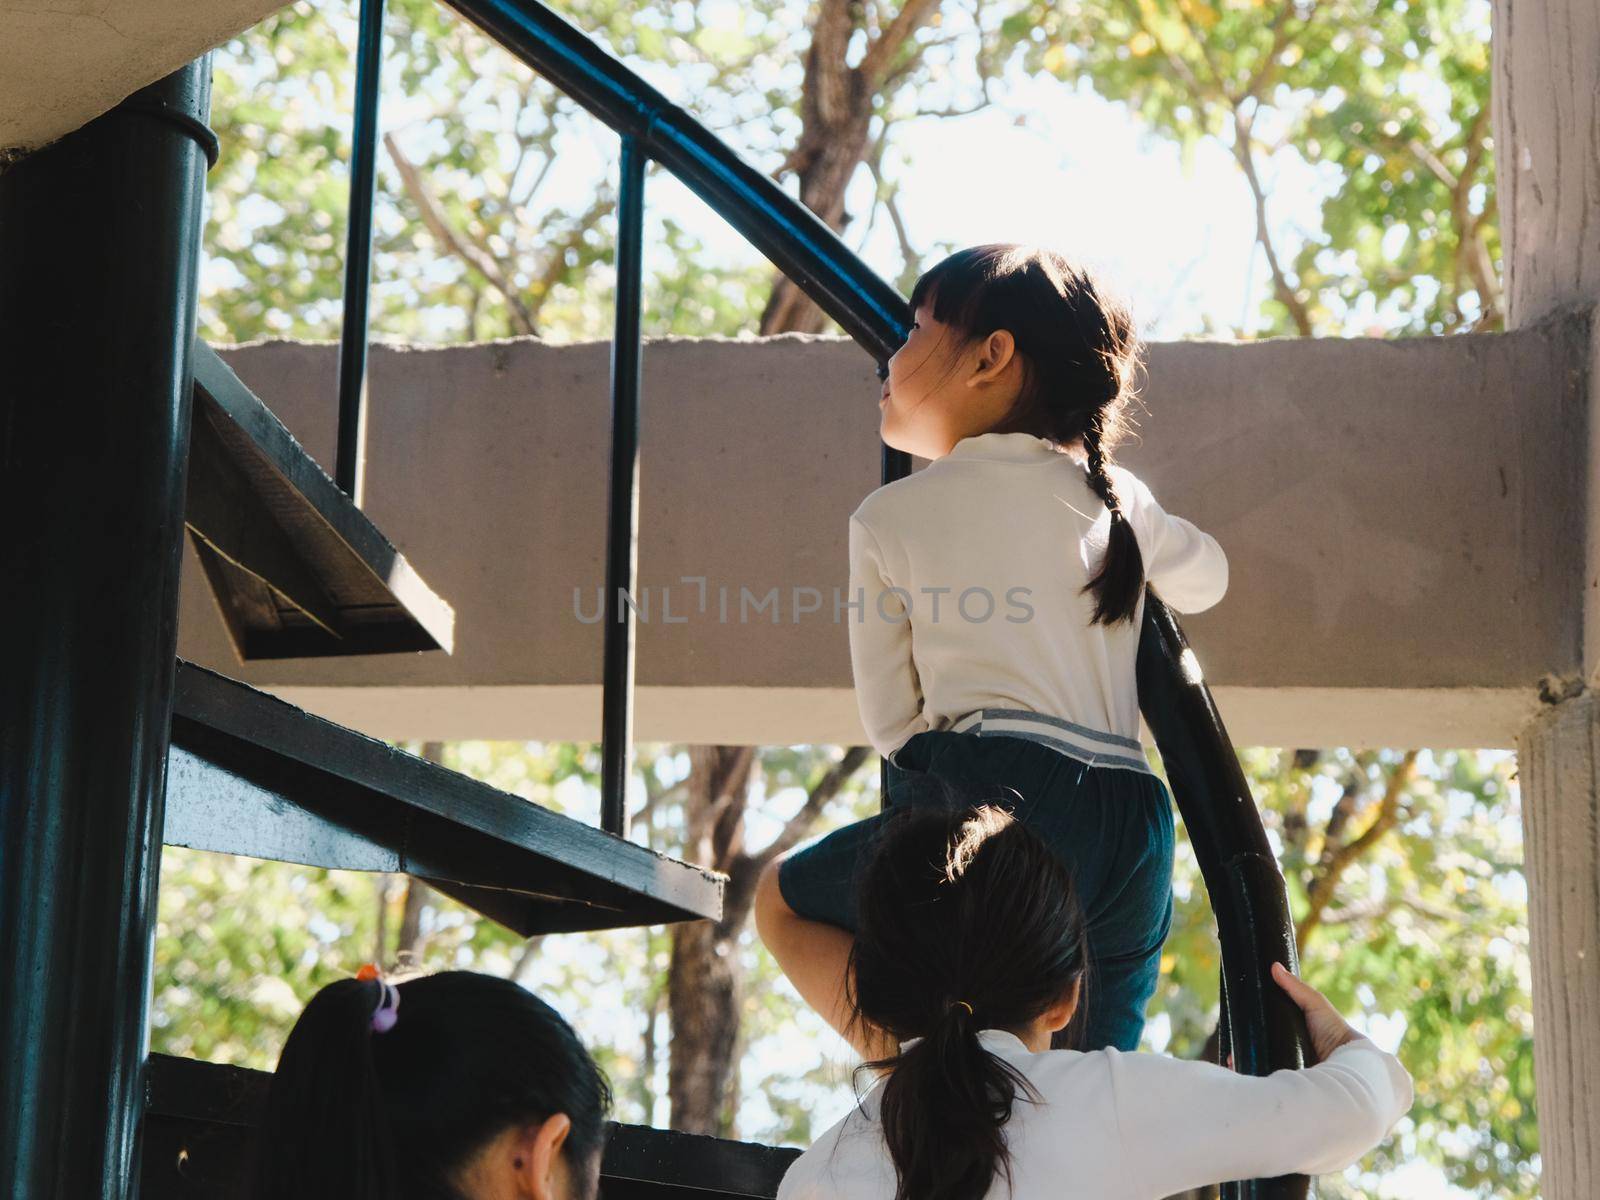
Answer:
(253, 775)
(298, 570)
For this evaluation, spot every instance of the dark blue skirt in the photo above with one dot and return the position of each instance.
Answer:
(1112, 827)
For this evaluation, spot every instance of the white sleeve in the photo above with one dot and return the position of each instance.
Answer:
(888, 692)
(1184, 564)
(1189, 1124)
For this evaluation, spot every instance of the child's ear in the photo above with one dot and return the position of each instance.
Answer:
(539, 1167)
(996, 353)
(1060, 1015)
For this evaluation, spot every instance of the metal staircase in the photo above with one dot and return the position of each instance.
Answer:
(298, 570)
(249, 774)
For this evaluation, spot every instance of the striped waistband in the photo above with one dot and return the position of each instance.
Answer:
(1075, 741)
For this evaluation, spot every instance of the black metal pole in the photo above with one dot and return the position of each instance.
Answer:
(1264, 1030)
(350, 458)
(99, 253)
(622, 530)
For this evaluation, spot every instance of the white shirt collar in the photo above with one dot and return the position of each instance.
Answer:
(996, 1041)
(1005, 447)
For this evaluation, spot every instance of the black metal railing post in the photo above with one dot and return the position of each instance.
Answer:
(622, 525)
(99, 263)
(350, 457)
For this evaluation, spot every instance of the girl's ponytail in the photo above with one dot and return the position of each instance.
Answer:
(1118, 583)
(944, 1110)
(967, 922)
(326, 1132)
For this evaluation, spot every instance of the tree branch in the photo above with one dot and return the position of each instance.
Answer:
(1198, 37)
(824, 790)
(1262, 75)
(555, 261)
(1281, 287)
(885, 193)
(475, 256)
(1333, 866)
(882, 50)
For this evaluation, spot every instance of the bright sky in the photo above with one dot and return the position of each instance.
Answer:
(1082, 177)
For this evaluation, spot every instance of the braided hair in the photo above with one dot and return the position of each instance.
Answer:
(1079, 349)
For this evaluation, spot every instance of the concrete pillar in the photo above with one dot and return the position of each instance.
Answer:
(1559, 769)
(1547, 128)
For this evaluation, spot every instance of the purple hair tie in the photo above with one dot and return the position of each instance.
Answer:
(388, 1010)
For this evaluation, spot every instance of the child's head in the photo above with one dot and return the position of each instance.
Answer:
(476, 1088)
(1016, 339)
(968, 921)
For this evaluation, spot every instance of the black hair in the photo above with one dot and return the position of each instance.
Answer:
(355, 1114)
(967, 921)
(1079, 349)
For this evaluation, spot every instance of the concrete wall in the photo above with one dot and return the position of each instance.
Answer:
(1399, 518)
(64, 62)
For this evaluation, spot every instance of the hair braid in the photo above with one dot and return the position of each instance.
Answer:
(1120, 579)
(1099, 477)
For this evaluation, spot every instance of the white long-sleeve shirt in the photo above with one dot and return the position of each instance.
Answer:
(1114, 1126)
(971, 574)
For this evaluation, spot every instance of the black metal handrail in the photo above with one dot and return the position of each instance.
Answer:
(1263, 1028)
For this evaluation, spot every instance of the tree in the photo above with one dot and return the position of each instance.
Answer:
(1405, 881)
(1390, 100)
(704, 978)
(838, 103)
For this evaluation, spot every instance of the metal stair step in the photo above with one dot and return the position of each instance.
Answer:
(249, 774)
(297, 569)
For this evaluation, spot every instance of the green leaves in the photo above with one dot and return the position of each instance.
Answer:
(1389, 99)
(1426, 931)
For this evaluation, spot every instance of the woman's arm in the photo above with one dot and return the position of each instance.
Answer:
(1189, 1124)
(888, 692)
(1184, 564)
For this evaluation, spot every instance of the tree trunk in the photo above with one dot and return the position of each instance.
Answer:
(836, 107)
(408, 947)
(703, 996)
(822, 184)
(704, 988)
(703, 985)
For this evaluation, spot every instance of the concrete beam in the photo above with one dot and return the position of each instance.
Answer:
(64, 62)
(1398, 515)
